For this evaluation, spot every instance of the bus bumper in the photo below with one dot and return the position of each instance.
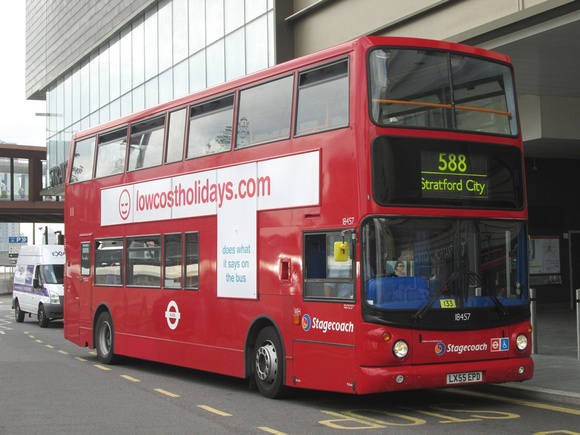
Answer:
(383, 379)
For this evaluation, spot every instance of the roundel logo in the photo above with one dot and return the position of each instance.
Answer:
(306, 322)
(440, 348)
(124, 204)
(172, 315)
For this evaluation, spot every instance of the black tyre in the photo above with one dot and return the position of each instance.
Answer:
(41, 316)
(18, 313)
(105, 339)
(269, 364)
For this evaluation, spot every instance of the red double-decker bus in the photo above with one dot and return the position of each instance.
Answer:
(353, 221)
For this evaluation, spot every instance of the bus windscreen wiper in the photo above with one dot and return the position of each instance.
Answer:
(419, 314)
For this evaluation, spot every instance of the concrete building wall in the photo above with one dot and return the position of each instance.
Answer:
(70, 22)
(336, 21)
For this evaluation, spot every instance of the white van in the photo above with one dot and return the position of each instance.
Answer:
(38, 283)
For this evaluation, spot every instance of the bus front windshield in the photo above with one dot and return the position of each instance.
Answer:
(424, 268)
(439, 90)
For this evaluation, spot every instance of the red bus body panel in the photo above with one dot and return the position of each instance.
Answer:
(339, 351)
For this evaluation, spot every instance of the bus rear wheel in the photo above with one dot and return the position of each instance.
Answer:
(105, 339)
(269, 364)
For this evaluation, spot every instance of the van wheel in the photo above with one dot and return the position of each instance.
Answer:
(42, 319)
(269, 364)
(18, 313)
(105, 339)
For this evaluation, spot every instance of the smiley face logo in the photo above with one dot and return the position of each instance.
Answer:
(124, 204)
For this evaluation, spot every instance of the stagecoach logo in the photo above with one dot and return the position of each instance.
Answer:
(124, 204)
(325, 325)
(441, 348)
(306, 322)
(172, 315)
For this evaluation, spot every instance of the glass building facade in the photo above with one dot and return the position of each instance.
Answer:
(174, 48)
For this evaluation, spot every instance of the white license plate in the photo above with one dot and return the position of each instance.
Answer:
(464, 378)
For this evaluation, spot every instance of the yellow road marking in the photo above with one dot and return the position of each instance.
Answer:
(102, 367)
(80, 359)
(215, 411)
(50, 346)
(167, 393)
(267, 429)
(129, 378)
(38, 341)
(63, 352)
(521, 402)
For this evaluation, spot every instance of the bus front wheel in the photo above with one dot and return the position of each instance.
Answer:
(105, 338)
(269, 364)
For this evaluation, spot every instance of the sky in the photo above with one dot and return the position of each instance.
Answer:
(18, 121)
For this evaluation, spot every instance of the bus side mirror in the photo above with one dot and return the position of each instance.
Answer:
(341, 252)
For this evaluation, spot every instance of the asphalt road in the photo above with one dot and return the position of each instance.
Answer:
(50, 385)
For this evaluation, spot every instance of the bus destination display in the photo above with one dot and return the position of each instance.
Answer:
(453, 175)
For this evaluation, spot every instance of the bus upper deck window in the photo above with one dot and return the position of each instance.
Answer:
(111, 151)
(84, 156)
(146, 143)
(265, 112)
(323, 99)
(434, 89)
(176, 135)
(210, 127)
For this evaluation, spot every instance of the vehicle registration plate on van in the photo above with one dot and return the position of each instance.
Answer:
(464, 378)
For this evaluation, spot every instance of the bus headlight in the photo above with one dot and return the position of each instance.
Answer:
(400, 349)
(521, 341)
(54, 299)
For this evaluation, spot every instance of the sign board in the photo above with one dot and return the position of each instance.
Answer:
(14, 245)
(544, 255)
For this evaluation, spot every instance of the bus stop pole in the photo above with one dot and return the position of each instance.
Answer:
(578, 321)
(534, 320)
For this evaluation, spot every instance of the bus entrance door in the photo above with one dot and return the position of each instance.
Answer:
(78, 283)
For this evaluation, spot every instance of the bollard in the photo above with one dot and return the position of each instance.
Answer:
(578, 320)
(534, 321)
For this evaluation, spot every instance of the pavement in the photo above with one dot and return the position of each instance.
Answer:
(556, 365)
(556, 377)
